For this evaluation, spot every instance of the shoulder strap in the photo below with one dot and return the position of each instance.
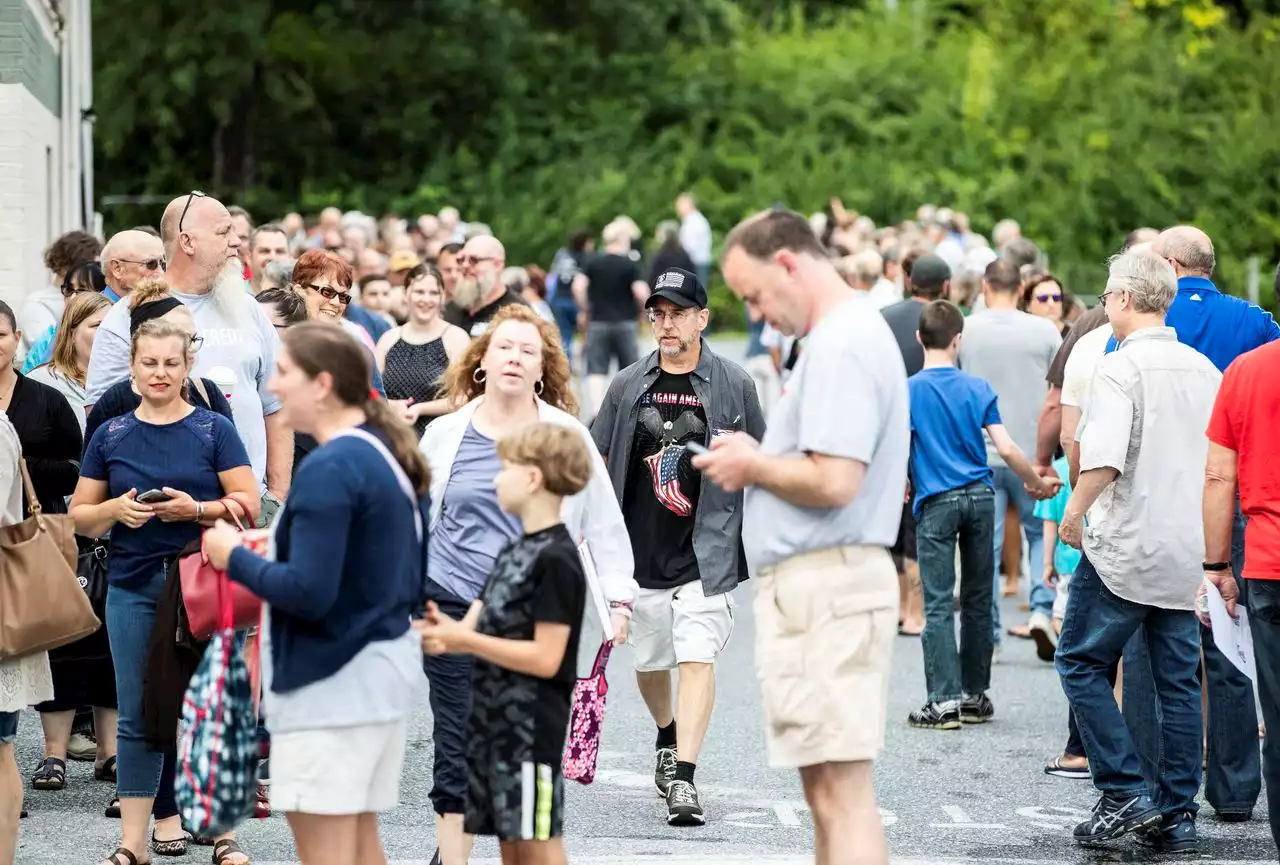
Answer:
(33, 503)
(597, 593)
(403, 479)
(198, 384)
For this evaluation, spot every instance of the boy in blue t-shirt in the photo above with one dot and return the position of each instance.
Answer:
(954, 502)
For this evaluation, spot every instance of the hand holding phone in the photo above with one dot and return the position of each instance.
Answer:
(152, 497)
(694, 446)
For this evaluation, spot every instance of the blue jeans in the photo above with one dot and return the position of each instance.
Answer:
(1095, 630)
(1009, 488)
(131, 614)
(1234, 778)
(1264, 618)
(565, 309)
(450, 698)
(965, 515)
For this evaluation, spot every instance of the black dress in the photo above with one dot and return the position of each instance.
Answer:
(414, 371)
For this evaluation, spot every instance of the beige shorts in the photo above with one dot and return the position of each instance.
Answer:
(825, 626)
(350, 770)
(676, 626)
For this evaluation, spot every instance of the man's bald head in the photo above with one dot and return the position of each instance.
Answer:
(486, 246)
(480, 282)
(129, 256)
(199, 239)
(1189, 250)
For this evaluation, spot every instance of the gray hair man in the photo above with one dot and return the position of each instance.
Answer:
(822, 506)
(239, 342)
(129, 257)
(1005, 231)
(266, 244)
(1147, 413)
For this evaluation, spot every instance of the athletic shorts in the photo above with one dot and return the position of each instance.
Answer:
(608, 341)
(905, 547)
(825, 627)
(343, 771)
(516, 801)
(676, 626)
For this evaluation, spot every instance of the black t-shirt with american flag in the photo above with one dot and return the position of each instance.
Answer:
(662, 489)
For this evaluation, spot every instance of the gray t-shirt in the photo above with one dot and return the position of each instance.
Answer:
(1012, 350)
(472, 528)
(246, 345)
(846, 397)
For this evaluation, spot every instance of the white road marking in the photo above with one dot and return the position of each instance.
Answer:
(961, 820)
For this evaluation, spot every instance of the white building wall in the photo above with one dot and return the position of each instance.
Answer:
(30, 191)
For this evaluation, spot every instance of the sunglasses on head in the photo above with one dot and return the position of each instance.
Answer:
(194, 194)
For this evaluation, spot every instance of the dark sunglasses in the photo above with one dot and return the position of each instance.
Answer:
(195, 193)
(330, 293)
(149, 264)
(1045, 298)
(469, 260)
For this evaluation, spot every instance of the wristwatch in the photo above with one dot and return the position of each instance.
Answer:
(1216, 566)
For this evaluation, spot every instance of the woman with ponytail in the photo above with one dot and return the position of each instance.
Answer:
(345, 572)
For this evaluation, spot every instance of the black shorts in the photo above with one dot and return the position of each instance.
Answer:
(516, 801)
(905, 547)
(608, 341)
(80, 683)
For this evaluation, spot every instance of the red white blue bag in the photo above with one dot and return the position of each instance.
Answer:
(216, 784)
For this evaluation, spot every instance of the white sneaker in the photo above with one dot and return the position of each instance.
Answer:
(1046, 639)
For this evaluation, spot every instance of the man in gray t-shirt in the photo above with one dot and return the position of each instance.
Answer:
(823, 500)
(1013, 350)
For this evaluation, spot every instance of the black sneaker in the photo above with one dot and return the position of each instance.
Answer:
(1174, 834)
(435, 860)
(1112, 818)
(683, 808)
(976, 709)
(664, 771)
(936, 716)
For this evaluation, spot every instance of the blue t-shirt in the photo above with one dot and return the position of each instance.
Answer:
(472, 528)
(186, 455)
(1065, 558)
(949, 409)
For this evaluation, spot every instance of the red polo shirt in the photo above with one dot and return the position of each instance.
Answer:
(1245, 419)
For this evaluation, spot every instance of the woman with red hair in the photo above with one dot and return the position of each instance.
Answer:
(323, 280)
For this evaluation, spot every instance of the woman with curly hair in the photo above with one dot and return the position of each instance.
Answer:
(512, 375)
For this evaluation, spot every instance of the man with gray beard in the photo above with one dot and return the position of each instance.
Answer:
(686, 537)
(479, 293)
(236, 337)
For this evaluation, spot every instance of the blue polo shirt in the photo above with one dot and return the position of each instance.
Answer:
(1217, 325)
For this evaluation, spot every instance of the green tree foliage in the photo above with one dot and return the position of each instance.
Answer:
(1083, 119)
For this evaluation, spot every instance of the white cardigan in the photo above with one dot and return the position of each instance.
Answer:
(592, 515)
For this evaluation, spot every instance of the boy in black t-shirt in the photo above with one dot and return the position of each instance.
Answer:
(524, 633)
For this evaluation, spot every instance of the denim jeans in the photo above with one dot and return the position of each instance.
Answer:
(965, 515)
(1097, 626)
(1234, 778)
(1264, 618)
(1009, 488)
(450, 698)
(131, 614)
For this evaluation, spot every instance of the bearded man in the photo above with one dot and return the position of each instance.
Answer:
(480, 292)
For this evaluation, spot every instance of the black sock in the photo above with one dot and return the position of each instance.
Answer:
(684, 771)
(667, 736)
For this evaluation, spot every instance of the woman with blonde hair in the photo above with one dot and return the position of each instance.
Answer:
(69, 359)
(512, 375)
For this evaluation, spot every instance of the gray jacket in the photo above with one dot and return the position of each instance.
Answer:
(728, 396)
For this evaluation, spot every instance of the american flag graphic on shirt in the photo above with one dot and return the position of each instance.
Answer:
(664, 468)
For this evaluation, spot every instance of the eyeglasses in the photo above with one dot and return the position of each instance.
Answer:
(149, 264)
(330, 293)
(1045, 298)
(469, 260)
(676, 316)
(195, 193)
(196, 342)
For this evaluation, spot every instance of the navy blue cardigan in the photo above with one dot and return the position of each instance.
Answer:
(349, 570)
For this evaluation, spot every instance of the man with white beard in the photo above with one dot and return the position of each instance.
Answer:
(204, 272)
(480, 292)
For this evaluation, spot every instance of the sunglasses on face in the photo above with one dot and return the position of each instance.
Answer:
(148, 264)
(195, 193)
(471, 260)
(1045, 298)
(331, 293)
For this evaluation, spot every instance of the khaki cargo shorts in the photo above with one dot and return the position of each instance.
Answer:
(825, 626)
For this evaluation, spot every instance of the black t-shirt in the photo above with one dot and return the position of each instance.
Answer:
(609, 295)
(661, 494)
(535, 578)
(904, 320)
(475, 323)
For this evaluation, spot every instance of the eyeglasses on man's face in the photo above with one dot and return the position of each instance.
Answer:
(675, 316)
(147, 264)
(472, 260)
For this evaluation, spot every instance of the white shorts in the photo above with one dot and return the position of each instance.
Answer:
(348, 770)
(677, 626)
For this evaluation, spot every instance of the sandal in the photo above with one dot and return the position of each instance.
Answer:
(105, 771)
(113, 808)
(196, 838)
(172, 847)
(52, 775)
(129, 858)
(223, 850)
(1080, 773)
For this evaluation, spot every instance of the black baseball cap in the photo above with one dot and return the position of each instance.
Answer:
(680, 287)
(929, 271)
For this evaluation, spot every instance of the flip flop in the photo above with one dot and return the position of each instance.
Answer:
(1076, 773)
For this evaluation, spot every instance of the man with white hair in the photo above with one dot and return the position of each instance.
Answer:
(204, 272)
(128, 258)
(1005, 231)
(868, 268)
(1147, 411)
(611, 291)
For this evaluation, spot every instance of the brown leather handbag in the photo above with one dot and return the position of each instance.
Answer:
(42, 605)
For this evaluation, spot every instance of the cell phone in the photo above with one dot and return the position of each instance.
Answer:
(695, 447)
(153, 497)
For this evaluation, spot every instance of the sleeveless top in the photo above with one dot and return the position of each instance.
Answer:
(414, 372)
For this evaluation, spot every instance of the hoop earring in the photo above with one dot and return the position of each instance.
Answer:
(478, 376)
(538, 387)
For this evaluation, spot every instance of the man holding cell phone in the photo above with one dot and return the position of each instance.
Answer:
(686, 537)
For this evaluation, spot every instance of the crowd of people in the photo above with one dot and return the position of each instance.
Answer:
(452, 455)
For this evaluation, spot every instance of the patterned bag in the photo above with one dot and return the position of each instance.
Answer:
(586, 721)
(218, 753)
(586, 712)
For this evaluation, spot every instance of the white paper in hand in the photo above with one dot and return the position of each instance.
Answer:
(1232, 636)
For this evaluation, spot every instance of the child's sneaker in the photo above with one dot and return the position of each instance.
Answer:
(976, 709)
(936, 716)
